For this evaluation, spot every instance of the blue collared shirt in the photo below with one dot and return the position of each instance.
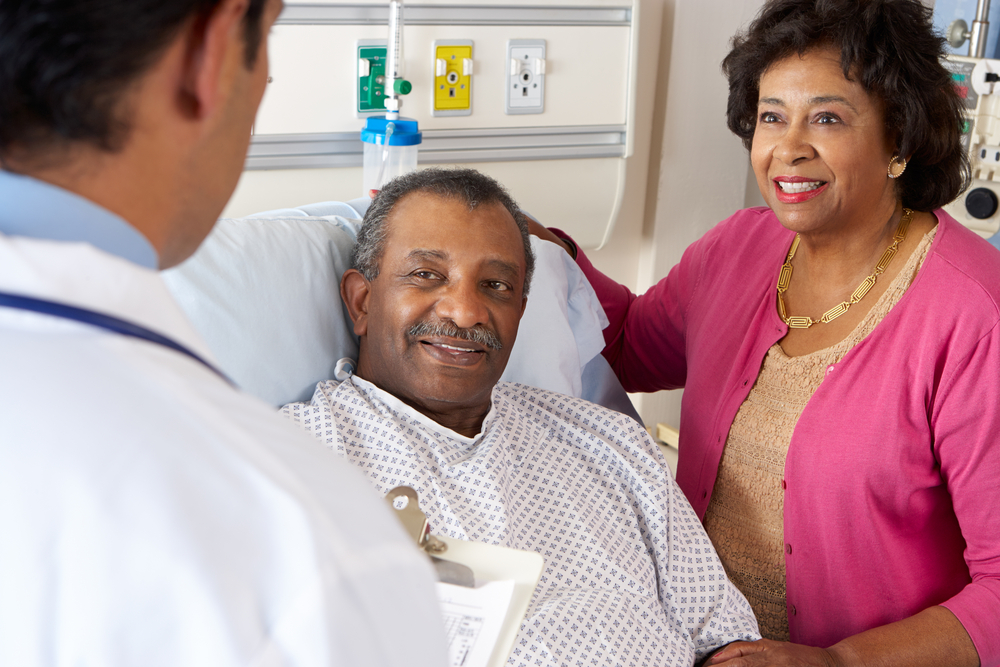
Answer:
(36, 209)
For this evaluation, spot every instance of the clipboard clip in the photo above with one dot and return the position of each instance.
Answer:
(404, 502)
(413, 520)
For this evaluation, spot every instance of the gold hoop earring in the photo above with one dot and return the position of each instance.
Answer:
(897, 166)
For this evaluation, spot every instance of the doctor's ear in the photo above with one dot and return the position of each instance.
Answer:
(354, 290)
(215, 48)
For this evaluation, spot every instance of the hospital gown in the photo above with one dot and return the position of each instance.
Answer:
(630, 576)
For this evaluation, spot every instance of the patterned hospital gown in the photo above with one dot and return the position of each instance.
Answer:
(630, 576)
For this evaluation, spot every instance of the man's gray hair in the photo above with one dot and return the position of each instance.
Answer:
(469, 186)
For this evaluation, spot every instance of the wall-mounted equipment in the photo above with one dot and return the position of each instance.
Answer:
(978, 208)
(370, 89)
(574, 136)
(525, 91)
(975, 78)
(959, 32)
(390, 147)
(390, 141)
(453, 69)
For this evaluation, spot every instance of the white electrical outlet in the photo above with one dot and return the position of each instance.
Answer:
(989, 154)
(525, 80)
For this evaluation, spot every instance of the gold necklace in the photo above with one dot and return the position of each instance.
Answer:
(785, 278)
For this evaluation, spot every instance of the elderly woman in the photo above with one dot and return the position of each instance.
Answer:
(839, 350)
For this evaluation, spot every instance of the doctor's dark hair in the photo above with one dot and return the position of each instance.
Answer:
(468, 186)
(66, 64)
(891, 50)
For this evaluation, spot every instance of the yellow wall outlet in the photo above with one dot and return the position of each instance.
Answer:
(453, 69)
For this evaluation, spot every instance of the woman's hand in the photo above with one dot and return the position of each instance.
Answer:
(932, 638)
(537, 229)
(768, 652)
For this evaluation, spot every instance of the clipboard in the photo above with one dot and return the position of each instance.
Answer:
(488, 563)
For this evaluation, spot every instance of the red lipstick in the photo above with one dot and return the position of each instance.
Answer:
(797, 197)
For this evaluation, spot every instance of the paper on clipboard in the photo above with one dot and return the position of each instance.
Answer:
(499, 564)
(480, 614)
(473, 618)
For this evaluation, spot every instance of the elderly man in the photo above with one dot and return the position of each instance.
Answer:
(440, 282)
(150, 514)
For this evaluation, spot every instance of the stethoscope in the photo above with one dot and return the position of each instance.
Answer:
(101, 321)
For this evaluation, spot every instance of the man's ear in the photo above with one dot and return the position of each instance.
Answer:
(524, 304)
(354, 290)
(216, 45)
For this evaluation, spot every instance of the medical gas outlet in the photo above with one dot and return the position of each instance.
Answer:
(976, 79)
(369, 89)
(453, 68)
(525, 80)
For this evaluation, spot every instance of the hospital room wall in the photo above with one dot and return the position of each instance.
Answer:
(698, 171)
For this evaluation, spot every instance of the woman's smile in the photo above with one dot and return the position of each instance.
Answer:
(795, 189)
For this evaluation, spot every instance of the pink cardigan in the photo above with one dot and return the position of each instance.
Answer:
(892, 479)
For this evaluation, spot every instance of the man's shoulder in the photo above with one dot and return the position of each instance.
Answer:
(322, 396)
(102, 392)
(329, 396)
(164, 416)
(613, 441)
(559, 408)
(551, 401)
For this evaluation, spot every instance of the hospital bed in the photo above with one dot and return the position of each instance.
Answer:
(263, 291)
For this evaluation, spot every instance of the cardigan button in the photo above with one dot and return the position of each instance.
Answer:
(704, 494)
(788, 549)
(795, 612)
(784, 485)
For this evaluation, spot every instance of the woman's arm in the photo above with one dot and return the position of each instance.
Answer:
(544, 233)
(932, 638)
(645, 334)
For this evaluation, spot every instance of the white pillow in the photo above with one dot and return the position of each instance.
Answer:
(561, 329)
(265, 295)
(264, 292)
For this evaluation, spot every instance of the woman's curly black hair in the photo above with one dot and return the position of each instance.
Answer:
(890, 48)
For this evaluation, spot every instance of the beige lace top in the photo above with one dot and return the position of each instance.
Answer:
(745, 516)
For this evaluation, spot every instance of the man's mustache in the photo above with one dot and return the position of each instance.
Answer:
(477, 334)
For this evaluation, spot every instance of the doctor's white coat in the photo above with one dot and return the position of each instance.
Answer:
(151, 515)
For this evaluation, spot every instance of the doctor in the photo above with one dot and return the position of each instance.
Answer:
(150, 514)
